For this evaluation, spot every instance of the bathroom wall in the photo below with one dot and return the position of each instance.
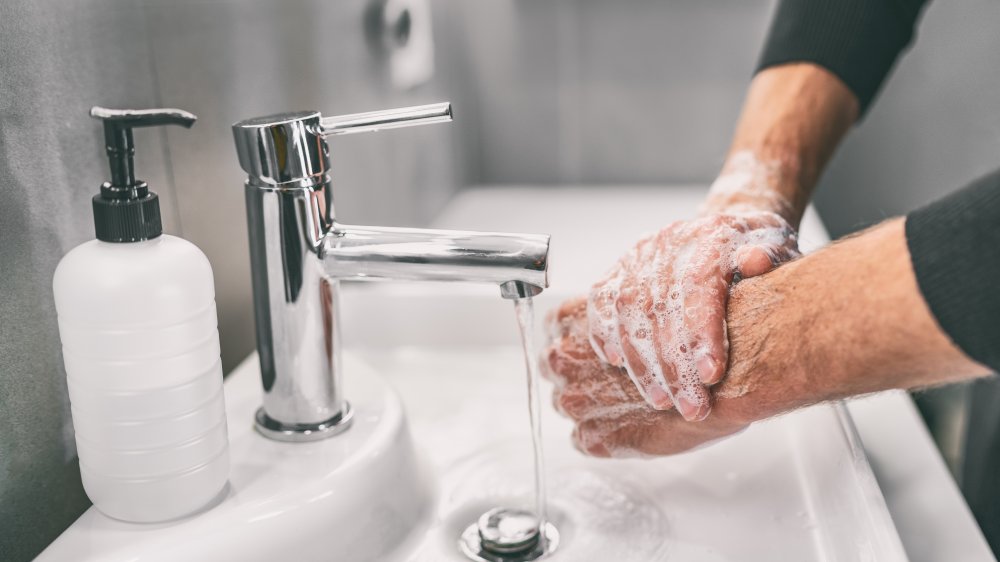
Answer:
(935, 127)
(647, 92)
(595, 92)
(223, 60)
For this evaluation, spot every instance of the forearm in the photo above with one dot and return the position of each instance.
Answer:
(793, 118)
(847, 320)
(822, 64)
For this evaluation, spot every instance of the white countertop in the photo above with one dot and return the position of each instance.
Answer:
(591, 226)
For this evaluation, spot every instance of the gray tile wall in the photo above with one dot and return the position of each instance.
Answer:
(935, 127)
(591, 91)
(646, 91)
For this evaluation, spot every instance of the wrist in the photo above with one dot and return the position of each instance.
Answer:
(793, 118)
(756, 182)
(763, 368)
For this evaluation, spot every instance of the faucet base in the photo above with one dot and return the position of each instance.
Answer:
(301, 432)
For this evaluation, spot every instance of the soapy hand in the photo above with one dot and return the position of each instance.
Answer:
(611, 416)
(660, 312)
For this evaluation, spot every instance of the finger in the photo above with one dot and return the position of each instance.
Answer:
(588, 439)
(556, 397)
(560, 321)
(603, 301)
(691, 346)
(752, 261)
(693, 402)
(545, 367)
(578, 406)
(557, 367)
(635, 334)
(702, 346)
(602, 321)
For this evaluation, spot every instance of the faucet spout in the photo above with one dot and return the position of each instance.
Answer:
(299, 253)
(517, 290)
(360, 252)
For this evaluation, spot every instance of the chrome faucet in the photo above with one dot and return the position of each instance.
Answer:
(299, 253)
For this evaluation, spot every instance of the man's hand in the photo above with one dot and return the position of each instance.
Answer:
(661, 311)
(611, 417)
(843, 321)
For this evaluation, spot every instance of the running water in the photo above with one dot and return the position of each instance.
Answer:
(525, 312)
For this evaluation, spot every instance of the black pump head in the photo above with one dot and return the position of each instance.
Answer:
(125, 210)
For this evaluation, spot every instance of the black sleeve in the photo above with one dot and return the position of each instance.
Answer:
(955, 248)
(857, 40)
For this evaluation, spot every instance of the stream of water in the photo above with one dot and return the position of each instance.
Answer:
(525, 312)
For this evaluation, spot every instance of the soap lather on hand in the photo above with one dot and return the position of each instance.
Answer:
(660, 313)
(610, 415)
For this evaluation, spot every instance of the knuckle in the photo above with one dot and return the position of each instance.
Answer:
(574, 405)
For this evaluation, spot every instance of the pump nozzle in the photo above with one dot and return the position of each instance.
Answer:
(125, 210)
(118, 125)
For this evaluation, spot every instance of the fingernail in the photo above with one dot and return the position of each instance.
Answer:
(691, 411)
(613, 358)
(598, 450)
(707, 370)
(660, 398)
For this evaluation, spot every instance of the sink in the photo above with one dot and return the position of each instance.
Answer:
(441, 434)
(799, 485)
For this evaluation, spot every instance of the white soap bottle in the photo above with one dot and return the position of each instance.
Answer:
(138, 326)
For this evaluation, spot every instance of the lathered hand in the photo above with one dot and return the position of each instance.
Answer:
(612, 418)
(661, 311)
(810, 331)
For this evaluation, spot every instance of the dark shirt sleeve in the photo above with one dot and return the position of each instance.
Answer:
(955, 248)
(857, 40)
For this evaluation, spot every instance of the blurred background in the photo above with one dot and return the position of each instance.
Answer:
(556, 92)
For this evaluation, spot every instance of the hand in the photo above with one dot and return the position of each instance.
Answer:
(611, 417)
(661, 311)
(844, 321)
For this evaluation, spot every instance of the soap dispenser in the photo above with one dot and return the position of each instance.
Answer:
(137, 320)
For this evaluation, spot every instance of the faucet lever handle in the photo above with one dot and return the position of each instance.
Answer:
(372, 121)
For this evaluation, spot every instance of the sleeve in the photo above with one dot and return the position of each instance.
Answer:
(954, 245)
(856, 40)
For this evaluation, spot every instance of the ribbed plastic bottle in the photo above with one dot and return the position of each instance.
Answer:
(137, 321)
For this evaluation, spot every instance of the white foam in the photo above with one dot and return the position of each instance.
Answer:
(663, 297)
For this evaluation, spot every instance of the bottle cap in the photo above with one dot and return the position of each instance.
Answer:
(126, 210)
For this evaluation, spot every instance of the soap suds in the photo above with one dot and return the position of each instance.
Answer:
(660, 312)
(750, 180)
(604, 403)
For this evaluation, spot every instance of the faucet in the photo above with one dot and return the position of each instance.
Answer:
(299, 254)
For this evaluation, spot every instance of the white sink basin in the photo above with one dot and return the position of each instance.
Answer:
(795, 488)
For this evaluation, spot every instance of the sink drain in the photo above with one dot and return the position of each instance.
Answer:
(508, 535)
